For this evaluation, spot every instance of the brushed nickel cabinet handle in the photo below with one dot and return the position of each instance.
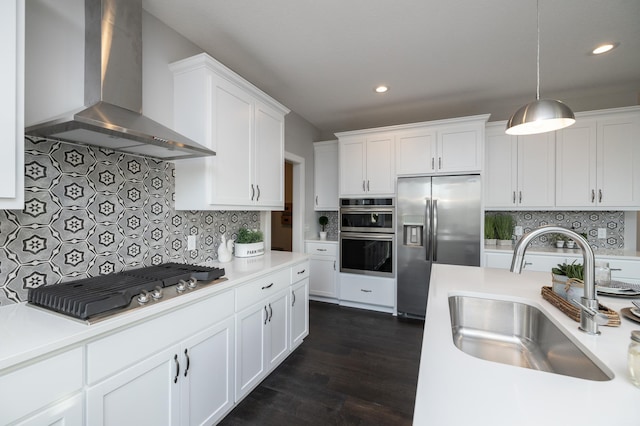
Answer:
(267, 286)
(316, 200)
(440, 163)
(253, 192)
(368, 186)
(266, 314)
(293, 302)
(186, 370)
(520, 197)
(175, 359)
(433, 165)
(258, 197)
(593, 195)
(514, 197)
(599, 195)
(365, 291)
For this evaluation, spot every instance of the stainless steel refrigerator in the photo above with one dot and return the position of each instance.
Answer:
(438, 221)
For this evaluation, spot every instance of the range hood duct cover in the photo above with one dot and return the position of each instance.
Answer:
(112, 113)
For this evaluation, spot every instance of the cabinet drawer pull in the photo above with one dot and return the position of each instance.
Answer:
(321, 249)
(615, 269)
(186, 370)
(175, 359)
(365, 291)
(301, 272)
(267, 286)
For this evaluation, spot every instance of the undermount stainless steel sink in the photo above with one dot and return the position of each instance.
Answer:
(518, 334)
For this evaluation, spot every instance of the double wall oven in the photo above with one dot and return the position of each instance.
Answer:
(367, 236)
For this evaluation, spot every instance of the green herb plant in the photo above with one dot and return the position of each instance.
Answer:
(489, 227)
(574, 270)
(504, 224)
(248, 236)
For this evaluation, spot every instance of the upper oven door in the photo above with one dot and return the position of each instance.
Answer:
(371, 219)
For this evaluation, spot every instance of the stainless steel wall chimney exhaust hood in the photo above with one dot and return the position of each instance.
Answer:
(112, 116)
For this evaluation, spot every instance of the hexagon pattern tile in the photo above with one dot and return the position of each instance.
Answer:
(92, 211)
(582, 222)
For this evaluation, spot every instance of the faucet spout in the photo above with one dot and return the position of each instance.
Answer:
(587, 322)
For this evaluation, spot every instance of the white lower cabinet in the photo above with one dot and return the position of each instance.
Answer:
(44, 391)
(299, 312)
(323, 265)
(190, 383)
(262, 340)
(363, 291)
(69, 412)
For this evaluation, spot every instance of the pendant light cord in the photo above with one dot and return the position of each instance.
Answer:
(538, 56)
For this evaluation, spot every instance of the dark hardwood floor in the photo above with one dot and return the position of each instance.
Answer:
(356, 367)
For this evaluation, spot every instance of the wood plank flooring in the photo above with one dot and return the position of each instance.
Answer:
(356, 367)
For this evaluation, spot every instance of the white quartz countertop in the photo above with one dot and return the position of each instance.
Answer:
(551, 251)
(27, 332)
(455, 388)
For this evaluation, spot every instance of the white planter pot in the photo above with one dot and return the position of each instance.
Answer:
(490, 241)
(504, 242)
(249, 250)
(323, 235)
(559, 244)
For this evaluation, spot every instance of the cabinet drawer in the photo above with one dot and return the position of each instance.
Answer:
(39, 384)
(368, 290)
(622, 269)
(300, 272)
(261, 288)
(131, 345)
(322, 249)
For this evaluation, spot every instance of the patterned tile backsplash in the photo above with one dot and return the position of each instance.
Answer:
(332, 226)
(92, 211)
(581, 222)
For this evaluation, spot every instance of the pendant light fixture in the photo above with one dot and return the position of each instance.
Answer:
(542, 115)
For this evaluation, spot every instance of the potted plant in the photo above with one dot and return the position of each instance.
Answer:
(323, 221)
(249, 243)
(504, 224)
(489, 230)
(558, 240)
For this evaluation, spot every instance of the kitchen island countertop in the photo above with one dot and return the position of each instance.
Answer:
(27, 332)
(455, 388)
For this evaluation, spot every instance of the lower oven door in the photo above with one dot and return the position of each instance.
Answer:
(369, 254)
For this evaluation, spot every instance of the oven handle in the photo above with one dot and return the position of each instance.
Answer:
(365, 210)
(357, 236)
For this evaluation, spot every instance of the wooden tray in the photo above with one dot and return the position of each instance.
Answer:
(573, 312)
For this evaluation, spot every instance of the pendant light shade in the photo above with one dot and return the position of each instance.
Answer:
(542, 115)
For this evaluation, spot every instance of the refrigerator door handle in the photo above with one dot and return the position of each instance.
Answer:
(427, 228)
(435, 230)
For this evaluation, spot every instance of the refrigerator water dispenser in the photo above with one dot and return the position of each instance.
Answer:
(413, 228)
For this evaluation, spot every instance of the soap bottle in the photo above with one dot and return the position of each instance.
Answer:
(602, 274)
(634, 357)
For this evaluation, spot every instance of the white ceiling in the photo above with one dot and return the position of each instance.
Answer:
(440, 58)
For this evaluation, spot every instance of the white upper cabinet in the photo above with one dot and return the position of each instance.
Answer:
(325, 173)
(598, 161)
(366, 164)
(244, 126)
(519, 170)
(12, 104)
(444, 146)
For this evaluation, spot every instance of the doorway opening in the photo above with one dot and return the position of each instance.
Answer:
(281, 221)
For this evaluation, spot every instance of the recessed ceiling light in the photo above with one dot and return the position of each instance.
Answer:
(603, 48)
(381, 89)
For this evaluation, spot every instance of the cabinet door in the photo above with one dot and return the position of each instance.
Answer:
(619, 162)
(501, 169)
(326, 176)
(299, 312)
(536, 170)
(251, 326)
(278, 328)
(207, 380)
(232, 170)
(322, 276)
(68, 413)
(12, 104)
(416, 152)
(147, 393)
(352, 166)
(269, 157)
(380, 160)
(460, 149)
(576, 165)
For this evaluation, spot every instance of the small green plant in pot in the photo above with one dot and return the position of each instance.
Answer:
(249, 243)
(323, 221)
(489, 230)
(504, 224)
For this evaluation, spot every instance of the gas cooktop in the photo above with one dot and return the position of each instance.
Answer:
(97, 298)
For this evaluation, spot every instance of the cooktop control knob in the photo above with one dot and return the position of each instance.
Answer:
(181, 286)
(143, 297)
(193, 283)
(157, 293)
